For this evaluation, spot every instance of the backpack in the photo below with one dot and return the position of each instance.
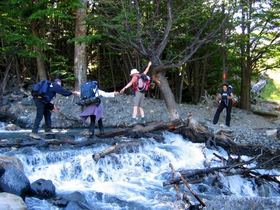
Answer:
(88, 95)
(144, 82)
(87, 90)
(41, 88)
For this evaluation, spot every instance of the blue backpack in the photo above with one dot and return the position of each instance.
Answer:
(88, 94)
(41, 88)
(87, 89)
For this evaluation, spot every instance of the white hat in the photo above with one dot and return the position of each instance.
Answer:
(134, 71)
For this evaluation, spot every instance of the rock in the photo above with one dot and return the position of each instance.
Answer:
(73, 201)
(14, 181)
(11, 202)
(272, 132)
(11, 127)
(7, 161)
(77, 206)
(43, 188)
(28, 101)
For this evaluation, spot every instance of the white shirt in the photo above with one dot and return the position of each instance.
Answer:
(104, 94)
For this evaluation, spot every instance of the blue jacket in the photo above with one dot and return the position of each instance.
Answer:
(54, 88)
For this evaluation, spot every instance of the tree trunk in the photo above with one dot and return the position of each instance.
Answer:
(80, 61)
(196, 82)
(41, 69)
(168, 96)
(245, 59)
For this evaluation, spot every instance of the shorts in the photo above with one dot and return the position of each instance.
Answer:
(138, 99)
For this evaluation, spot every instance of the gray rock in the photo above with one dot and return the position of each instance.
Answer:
(7, 161)
(43, 188)
(11, 202)
(14, 181)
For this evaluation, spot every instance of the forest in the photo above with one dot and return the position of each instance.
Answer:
(194, 46)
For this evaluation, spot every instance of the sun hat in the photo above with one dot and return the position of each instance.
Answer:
(134, 71)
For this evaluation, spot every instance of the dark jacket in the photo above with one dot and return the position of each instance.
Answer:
(224, 95)
(54, 88)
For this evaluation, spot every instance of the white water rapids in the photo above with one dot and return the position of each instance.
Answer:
(133, 179)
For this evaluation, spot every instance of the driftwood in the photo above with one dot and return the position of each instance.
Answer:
(115, 148)
(265, 113)
(17, 143)
(187, 185)
(232, 167)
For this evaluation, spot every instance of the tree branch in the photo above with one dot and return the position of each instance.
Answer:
(164, 41)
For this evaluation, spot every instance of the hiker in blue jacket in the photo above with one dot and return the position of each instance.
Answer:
(44, 107)
(225, 101)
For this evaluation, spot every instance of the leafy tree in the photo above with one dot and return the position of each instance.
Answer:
(152, 29)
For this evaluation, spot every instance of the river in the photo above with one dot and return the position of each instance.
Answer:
(133, 178)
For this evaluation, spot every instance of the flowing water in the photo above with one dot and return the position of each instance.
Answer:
(133, 178)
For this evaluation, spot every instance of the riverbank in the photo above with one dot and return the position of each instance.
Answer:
(246, 127)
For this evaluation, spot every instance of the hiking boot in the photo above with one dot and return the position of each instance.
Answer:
(34, 136)
(49, 132)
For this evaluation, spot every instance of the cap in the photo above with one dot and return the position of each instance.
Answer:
(134, 71)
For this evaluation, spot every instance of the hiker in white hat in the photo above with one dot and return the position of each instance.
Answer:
(140, 83)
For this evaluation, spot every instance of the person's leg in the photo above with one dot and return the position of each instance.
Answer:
(135, 112)
(141, 101)
(92, 124)
(228, 116)
(100, 126)
(40, 106)
(218, 112)
(48, 121)
(136, 102)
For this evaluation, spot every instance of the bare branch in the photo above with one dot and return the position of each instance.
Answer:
(168, 27)
(142, 49)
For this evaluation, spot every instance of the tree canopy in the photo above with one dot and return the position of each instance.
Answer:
(190, 43)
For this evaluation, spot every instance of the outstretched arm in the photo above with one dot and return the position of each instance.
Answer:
(127, 86)
(147, 68)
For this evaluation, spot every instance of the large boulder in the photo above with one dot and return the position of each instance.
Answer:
(43, 188)
(7, 161)
(13, 180)
(11, 202)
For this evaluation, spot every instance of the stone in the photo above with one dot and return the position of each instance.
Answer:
(42, 188)
(7, 161)
(11, 202)
(14, 181)
(11, 127)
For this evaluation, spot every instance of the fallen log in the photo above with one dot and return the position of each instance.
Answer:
(176, 185)
(265, 113)
(115, 148)
(139, 130)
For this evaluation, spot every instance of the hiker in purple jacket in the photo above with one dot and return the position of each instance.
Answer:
(95, 111)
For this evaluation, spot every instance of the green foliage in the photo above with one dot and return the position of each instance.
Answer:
(59, 68)
(271, 91)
